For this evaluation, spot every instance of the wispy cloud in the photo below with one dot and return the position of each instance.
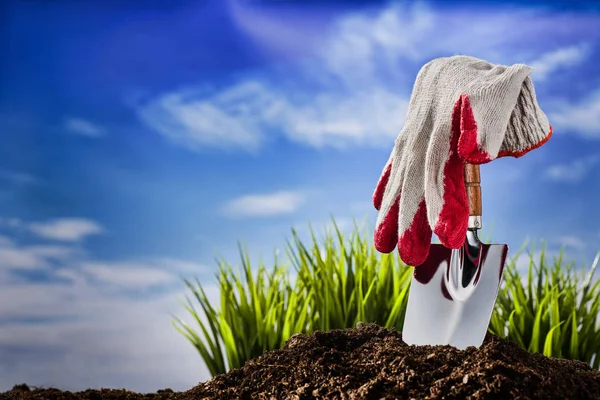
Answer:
(228, 119)
(79, 315)
(272, 31)
(138, 347)
(575, 171)
(129, 275)
(583, 117)
(5, 241)
(60, 229)
(558, 59)
(18, 177)
(264, 205)
(571, 241)
(355, 88)
(17, 257)
(83, 127)
(66, 229)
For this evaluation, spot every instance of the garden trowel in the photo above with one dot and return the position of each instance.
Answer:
(452, 294)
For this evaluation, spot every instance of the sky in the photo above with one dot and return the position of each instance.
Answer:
(140, 140)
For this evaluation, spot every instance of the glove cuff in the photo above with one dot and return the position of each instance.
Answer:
(528, 127)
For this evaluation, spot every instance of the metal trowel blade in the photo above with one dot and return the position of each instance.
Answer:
(451, 300)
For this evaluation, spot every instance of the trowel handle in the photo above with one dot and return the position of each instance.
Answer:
(472, 181)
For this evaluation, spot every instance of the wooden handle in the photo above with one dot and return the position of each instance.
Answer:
(472, 181)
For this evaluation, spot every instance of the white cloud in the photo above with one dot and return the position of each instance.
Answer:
(276, 30)
(182, 266)
(18, 177)
(110, 341)
(574, 171)
(83, 127)
(582, 117)
(372, 118)
(66, 229)
(13, 256)
(12, 223)
(5, 241)
(264, 205)
(128, 275)
(558, 59)
(355, 88)
(19, 258)
(110, 338)
(60, 229)
(228, 119)
(52, 251)
(571, 241)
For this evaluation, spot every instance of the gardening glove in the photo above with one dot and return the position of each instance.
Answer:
(462, 109)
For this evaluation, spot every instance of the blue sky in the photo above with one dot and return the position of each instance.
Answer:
(140, 140)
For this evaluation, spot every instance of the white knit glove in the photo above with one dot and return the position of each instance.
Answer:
(462, 109)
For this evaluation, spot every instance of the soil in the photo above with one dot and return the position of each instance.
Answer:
(371, 362)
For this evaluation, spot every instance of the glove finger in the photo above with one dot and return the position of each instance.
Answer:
(386, 231)
(394, 164)
(414, 232)
(381, 185)
(445, 193)
(414, 243)
(452, 224)
(389, 188)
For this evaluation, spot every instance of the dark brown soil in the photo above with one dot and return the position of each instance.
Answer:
(371, 362)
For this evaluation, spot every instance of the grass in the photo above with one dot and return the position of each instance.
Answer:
(552, 310)
(341, 280)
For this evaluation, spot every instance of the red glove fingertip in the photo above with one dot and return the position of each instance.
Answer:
(386, 234)
(413, 246)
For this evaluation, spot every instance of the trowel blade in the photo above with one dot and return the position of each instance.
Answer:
(444, 310)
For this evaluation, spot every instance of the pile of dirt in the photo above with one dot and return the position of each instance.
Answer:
(371, 362)
(24, 392)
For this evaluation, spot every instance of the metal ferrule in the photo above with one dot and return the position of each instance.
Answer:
(474, 222)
